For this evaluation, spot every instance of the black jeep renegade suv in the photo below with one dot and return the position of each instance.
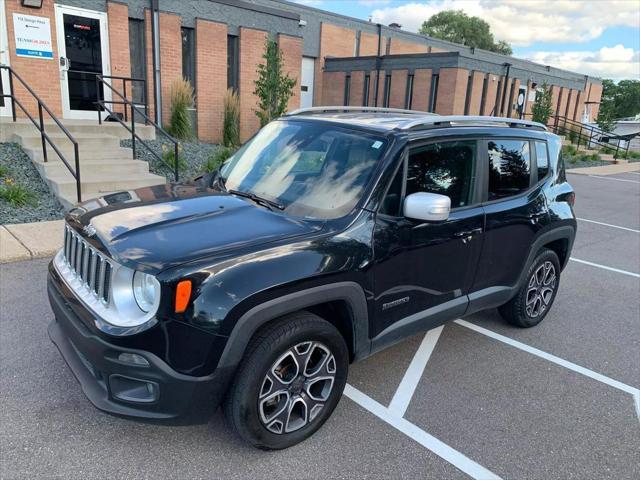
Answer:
(330, 235)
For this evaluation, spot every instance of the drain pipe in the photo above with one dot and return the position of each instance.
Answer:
(155, 46)
(504, 87)
(375, 94)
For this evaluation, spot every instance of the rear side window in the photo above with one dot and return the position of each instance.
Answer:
(542, 159)
(445, 168)
(509, 168)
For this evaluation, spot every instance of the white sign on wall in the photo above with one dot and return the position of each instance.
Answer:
(33, 36)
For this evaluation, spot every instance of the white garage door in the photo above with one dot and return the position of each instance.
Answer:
(306, 82)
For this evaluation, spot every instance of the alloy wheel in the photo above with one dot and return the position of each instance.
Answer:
(540, 290)
(296, 387)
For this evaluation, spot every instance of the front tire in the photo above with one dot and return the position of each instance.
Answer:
(535, 298)
(289, 382)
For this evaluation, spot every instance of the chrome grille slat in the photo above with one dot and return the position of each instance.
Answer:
(88, 264)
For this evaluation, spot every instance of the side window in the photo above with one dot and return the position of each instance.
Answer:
(445, 168)
(391, 203)
(542, 159)
(509, 168)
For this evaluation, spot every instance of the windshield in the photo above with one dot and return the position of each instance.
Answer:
(310, 169)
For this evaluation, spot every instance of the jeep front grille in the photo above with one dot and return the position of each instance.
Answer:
(89, 265)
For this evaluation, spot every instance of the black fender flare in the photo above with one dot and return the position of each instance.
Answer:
(256, 317)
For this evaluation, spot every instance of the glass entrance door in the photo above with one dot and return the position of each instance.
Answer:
(83, 54)
(5, 103)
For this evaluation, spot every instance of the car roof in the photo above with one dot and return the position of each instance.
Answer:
(389, 119)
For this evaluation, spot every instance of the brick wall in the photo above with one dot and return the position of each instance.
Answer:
(398, 88)
(476, 93)
(357, 89)
(334, 42)
(372, 88)
(211, 78)
(118, 20)
(452, 90)
(511, 110)
(492, 91)
(333, 93)
(400, 46)
(170, 59)
(421, 89)
(252, 44)
(291, 48)
(368, 44)
(595, 95)
(381, 87)
(46, 83)
(564, 94)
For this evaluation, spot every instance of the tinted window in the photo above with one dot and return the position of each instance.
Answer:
(445, 168)
(509, 168)
(542, 159)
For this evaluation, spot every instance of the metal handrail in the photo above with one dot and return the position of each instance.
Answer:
(40, 125)
(592, 135)
(100, 79)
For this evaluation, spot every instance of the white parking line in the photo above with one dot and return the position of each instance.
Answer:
(604, 267)
(609, 225)
(558, 361)
(407, 387)
(617, 179)
(428, 441)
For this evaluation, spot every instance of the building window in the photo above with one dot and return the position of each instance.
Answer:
(137, 58)
(365, 93)
(512, 92)
(347, 90)
(509, 168)
(433, 95)
(483, 99)
(575, 109)
(467, 97)
(566, 110)
(496, 107)
(232, 62)
(557, 111)
(189, 55)
(388, 47)
(408, 101)
(387, 91)
(357, 46)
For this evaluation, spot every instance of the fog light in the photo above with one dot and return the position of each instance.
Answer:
(133, 358)
(132, 390)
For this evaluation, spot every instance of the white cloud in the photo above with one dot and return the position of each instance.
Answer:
(371, 3)
(523, 22)
(618, 62)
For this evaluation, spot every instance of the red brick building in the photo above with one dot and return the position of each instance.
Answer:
(217, 44)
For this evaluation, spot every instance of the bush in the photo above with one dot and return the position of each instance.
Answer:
(3, 171)
(181, 101)
(569, 150)
(168, 157)
(217, 158)
(231, 125)
(16, 195)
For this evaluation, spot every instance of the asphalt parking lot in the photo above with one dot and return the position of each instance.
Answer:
(476, 398)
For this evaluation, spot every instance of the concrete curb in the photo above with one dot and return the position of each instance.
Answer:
(606, 169)
(26, 241)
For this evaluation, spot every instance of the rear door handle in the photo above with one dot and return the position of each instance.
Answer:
(467, 233)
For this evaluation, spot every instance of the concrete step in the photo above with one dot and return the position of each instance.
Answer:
(87, 142)
(36, 154)
(63, 183)
(102, 167)
(24, 126)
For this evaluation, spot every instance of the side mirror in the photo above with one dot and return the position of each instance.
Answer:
(430, 207)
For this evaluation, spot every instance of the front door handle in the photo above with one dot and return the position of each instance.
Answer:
(467, 233)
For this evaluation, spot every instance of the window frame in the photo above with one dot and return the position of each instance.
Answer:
(476, 199)
(533, 172)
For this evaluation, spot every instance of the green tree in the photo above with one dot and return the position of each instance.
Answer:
(620, 100)
(542, 107)
(458, 27)
(273, 87)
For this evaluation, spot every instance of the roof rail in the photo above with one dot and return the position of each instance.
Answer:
(337, 109)
(443, 121)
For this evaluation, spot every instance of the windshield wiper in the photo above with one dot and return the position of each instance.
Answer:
(257, 199)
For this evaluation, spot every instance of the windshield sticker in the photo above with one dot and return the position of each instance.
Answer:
(377, 144)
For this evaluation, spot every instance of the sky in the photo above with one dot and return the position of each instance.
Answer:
(594, 37)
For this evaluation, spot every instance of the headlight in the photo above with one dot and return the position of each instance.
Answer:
(146, 290)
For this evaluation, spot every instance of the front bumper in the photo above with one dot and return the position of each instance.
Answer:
(153, 391)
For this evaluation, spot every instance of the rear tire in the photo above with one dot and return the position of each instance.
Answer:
(289, 381)
(535, 298)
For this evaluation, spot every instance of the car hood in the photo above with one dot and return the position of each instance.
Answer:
(168, 225)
